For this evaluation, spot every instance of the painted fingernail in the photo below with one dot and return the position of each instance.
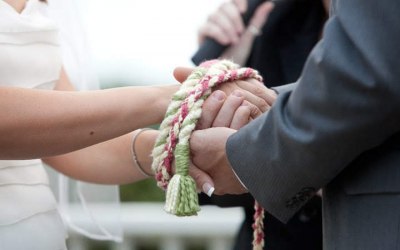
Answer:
(218, 95)
(208, 189)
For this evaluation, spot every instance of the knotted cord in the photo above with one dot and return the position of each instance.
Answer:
(175, 130)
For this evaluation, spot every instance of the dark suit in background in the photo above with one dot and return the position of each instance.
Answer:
(292, 30)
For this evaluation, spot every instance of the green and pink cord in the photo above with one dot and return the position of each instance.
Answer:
(173, 141)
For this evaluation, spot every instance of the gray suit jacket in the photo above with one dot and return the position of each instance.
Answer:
(338, 129)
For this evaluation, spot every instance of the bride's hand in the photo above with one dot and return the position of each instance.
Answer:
(253, 91)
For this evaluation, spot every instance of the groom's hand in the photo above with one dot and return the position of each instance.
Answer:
(208, 154)
(222, 111)
(219, 110)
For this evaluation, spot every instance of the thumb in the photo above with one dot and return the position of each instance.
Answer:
(261, 14)
(181, 73)
(202, 179)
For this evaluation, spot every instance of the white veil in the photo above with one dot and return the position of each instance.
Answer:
(89, 209)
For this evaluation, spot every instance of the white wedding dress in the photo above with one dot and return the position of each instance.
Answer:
(29, 58)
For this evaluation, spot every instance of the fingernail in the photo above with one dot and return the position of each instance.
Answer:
(208, 189)
(237, 93)
(218, 95)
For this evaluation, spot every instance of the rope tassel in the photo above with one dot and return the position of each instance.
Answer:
(182, 199)
(175, 130)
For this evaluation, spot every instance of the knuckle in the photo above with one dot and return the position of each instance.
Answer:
(255, 112)
(259, 91)
(200, 124)
(236, 98)
(262, 104)
(259, 84)
(245, 111)
(197, 176)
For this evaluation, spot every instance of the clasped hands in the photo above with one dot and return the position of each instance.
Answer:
(226, 110)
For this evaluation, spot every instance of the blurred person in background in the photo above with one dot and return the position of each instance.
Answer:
(87, 135)
(276, 41)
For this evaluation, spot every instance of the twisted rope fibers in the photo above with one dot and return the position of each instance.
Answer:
(173, 141)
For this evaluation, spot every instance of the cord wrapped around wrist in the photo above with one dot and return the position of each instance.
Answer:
(175, 130)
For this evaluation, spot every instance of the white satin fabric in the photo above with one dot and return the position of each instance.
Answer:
(29, 58)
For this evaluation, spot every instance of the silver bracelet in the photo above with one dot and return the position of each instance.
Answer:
(134, 157)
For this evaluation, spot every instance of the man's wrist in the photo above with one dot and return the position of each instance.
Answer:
(240, 181)
(231, 166)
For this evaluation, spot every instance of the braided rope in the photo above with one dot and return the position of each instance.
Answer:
(175, 130)
(258, 227)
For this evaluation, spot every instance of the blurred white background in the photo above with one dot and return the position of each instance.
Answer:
(140, 42)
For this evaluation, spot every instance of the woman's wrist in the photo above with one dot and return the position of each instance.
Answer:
(165, 97)
(142, 147)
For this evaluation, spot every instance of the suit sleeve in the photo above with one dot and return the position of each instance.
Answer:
(284, 88)
(346, 102)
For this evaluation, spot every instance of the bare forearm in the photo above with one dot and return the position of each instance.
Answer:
(110, 162)
(39, 123)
